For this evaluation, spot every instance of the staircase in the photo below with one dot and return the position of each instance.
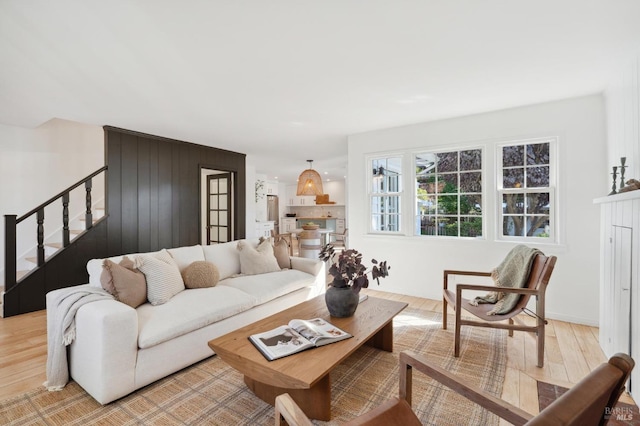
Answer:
(27, 266)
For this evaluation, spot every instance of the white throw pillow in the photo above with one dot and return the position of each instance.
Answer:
(258, 260)
(163, 276)
(185, 256)
(224, 256)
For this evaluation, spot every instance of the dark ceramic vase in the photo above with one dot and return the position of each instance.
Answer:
(341, 301)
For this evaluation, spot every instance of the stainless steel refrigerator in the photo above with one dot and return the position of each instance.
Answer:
(272, 212)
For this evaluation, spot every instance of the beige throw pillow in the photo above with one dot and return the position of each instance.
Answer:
(124, 282)
(281, 252)
(258, 260)
(163, 276)
(201, 274)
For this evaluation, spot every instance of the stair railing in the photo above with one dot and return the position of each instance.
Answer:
(11, 223)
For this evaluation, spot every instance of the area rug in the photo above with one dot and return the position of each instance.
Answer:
(212, 393)
(622, 414)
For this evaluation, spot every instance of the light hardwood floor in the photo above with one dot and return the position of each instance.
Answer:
(572, 351)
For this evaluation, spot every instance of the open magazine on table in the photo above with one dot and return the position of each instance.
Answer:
(297, 336)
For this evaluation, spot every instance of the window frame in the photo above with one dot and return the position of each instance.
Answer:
(552, 189)
(483, 192)
(400, 194)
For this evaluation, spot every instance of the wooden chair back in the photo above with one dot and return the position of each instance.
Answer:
(539, 276)
(592, 399)
(589, 402)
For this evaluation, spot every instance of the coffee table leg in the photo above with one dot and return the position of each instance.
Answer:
(383, 339)
(315, 401)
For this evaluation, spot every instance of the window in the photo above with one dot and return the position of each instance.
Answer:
(526, 182)
(385, 195)
(449, 193)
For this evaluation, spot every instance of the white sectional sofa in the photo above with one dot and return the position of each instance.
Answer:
(118, 349)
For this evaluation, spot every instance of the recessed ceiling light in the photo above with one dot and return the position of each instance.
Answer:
(326, 173)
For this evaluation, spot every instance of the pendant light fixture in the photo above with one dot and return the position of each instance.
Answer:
(309, 182)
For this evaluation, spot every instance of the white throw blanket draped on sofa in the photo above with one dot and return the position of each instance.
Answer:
(61, 330)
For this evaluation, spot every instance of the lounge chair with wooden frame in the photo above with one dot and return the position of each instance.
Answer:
(339, 239)
(589, 402)
(536, 285)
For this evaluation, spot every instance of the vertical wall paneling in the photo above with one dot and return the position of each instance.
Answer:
(154, 196)
(157, 186)
(129, 191)
(194, 192)
(144, 196)
(165, 202)
(623, 119)
(113, 155)
(620, 279)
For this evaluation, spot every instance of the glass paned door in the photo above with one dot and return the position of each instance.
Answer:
(219, 208)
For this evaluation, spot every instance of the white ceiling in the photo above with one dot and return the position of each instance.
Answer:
(288, 80)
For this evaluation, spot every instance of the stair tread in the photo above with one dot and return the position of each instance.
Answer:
(54, 245)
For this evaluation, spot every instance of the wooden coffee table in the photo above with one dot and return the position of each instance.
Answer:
(305, 375)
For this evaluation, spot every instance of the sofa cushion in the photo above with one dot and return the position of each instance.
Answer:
(185, 256)
(187, 311)
(258, 260)
(201, 274)
(127, 284)
(225, 256)
(266, 287)
(163, 276)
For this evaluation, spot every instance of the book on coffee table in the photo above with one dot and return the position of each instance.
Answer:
(297, 336)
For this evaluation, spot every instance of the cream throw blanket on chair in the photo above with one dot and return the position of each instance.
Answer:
(512, 272)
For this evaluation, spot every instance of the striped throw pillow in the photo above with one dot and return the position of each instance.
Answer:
(163, 276)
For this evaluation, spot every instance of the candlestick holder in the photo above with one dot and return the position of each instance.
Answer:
(615, 177)
(623, 160)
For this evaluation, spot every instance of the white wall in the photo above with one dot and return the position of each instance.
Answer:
(623, 118)
(250, 214)
(36, 164)
(417, 262)
(260, 197)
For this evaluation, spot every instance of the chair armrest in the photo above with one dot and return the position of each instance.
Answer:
(448, 272)
(503, 409)
(476, 273)
(518, 290)
(287, 409)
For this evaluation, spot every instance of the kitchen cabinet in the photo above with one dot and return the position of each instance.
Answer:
(263, 229)
(287, 224)
(299, 200)
(305, 200)
(620, 278)
(271, 188)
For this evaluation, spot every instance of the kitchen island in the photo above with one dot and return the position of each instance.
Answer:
(334, 223)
